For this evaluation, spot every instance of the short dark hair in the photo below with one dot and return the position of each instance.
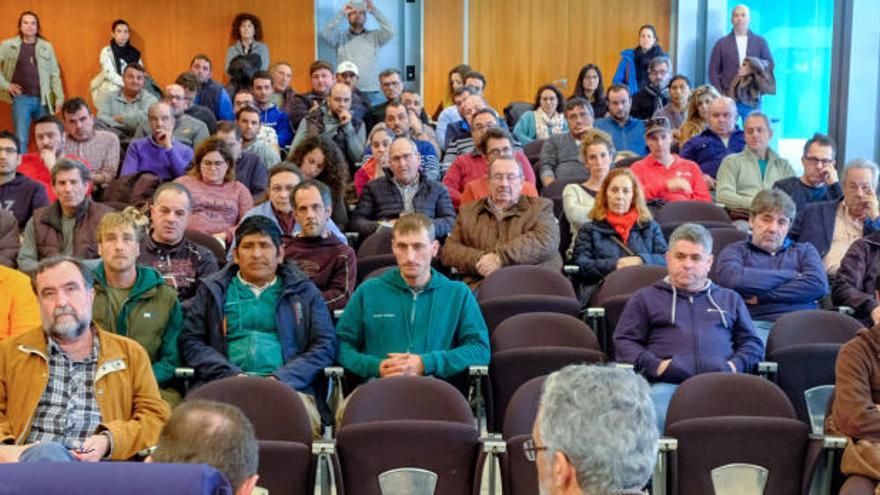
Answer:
(680, 77)
(322, 188)
(318, 65)
(476, 75)
(389, 72)
(560, 100)
(247, 108)
(245, 16)
(188, 81)
(212, 433)
(618, 87)
(462, 90)
(651, 28)
(51, 119)
(200, 56)
(493, 133)
(134, 66)
(118, 22)
(481, 111)
(229, 126)
(47, 263)
(261, 74)
(73, 105)
(68, 164)
(5, 134)
(286, 167)
(577, 102)
(822, 140)
(396, 103)
(259, 225)
(176, 187)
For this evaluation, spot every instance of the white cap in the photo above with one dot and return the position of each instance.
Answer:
(347, 66)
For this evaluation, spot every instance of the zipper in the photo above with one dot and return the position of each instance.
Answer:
(698, 365)
(412, 321)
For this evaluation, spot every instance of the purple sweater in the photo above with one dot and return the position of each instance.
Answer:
(144, 155)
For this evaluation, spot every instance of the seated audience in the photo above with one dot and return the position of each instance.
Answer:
(397, 119)
(160, 153)
(253, 139)
(218, 200)
(270, 115)
(458, 135)
(212, 433)
(819, 181)
(561, 153)
(319, 158)
(99, 148)
(375, 166)
(664, 175)
(477, 189)
(654, 94)
(347, 73)
(627, 132)
(249, 169)
(581, 445)
(412, 337)
(391, 84)
(247, 31)
(19, 194)
(474, 166)
(419, 122)
(124, 110)
(832, 226)
(405, 190)
(191, 85)
(133, 301)
(186, 128)
(182, 262)
(578, 199)
(282, 92)
(676, 109)
(211, 94)
(453, 114)
(545, 119)
(697, 113)
(259, 316)
(19, 311)
(328, 262)
(321, 79)
(660, 323)
(67, 226)
(620, 232)
(721, 138)
(334, 120)
(503, 229)
(773, 274)
(53, 408)
(10, 243)
(742, 175)
(49, 137)
(589, 86)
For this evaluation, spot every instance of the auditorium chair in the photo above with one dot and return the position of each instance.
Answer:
(721, 238)
(675, 213)
(514, 110)
(517, 289)
(208, 242)
(518, 475)
(377, 243)
(533, 153)
(858, 485)
(553, 192)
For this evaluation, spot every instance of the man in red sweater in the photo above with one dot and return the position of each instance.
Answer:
(664, 175)
(49, 134)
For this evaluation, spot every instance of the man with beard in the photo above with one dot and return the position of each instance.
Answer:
(211, 94)
(329, 263)
(72, 391)
(655, 94)
(627, 132)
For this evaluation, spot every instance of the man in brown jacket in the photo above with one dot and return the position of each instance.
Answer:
(503, 229)
(69, 390)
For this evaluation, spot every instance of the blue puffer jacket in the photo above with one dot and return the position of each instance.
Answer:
(789, 280)
(308, 339)
(699, 331)
(596, 254)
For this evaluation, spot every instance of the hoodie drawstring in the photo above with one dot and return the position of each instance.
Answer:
(717, 308)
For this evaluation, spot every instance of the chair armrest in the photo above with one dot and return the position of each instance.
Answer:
(846, 310)
(666, 450)
(476, 396)
(626, 366)
(184, 373)
(571, 269)
(352, 237)
(478, 370)
(595, 312)
(337, 314)
(768, 369)
(830, 442)
(493, 444)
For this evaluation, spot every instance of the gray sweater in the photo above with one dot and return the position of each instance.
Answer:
(561, 158)
(362, 49)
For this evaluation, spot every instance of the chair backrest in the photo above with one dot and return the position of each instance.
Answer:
(523, 408)
(554, 190)
(286, 468)
(138, 478)
(498, 309)
(721, 238)
(691, 211)
(406, 398)
(514, 110)
(379, 271)
(818, 398)
(627, 280)
(533, 153)
(812, 326)
(520, 280)
(368, 264)
(518, 474)
(802, 367)
(543, 329)
(209, 242)
(379, 242)
(275, 409)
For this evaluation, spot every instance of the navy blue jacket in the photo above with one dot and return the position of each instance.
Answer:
(308, 339)
(382, 200)
(252, 172)
(699, 331)
(816, 225)
(707, 149)
(792, 279)
(803, 194)
(596, 254)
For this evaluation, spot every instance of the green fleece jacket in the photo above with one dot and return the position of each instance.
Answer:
(441, 323)
(739, 177)
(150, 315)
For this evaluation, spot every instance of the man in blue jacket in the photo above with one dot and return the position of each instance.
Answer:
(685, 325)
(772, 273)
(259, 316)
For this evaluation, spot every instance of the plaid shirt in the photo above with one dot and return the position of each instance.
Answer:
(67, 412)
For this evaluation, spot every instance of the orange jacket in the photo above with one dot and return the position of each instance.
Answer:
(18, 304)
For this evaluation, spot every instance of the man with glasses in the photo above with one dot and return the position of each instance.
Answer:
(474, 167)
(832, 226)
(187, 130)
(561, 153)
(819, 181)
(655, 94)
(391, 84)
(581, 445)
(506, 228)
(398, 121)
(405, 190)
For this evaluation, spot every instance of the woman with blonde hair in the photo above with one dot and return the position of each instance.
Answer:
(578, 200)
(697, 113)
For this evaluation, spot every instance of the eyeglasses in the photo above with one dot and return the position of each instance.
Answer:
(402, 158)
(505, 150)
(815, 160)
(506, 177)
(9, 149)
(531, 449)
(213, 164)
(657, 122)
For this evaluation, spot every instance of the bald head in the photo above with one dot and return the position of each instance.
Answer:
(175, 96)
(740, 18)
(722, 116)
(339, 100)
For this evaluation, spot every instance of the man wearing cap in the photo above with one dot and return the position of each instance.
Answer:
(664, 175)
(347, 73)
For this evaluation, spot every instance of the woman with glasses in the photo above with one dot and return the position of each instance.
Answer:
(590, 87)
(578, 199)
(218, 200)
(545, 119)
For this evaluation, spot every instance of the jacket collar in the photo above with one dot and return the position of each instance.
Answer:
(110, 359)
(54, 214)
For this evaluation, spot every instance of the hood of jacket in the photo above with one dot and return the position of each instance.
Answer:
(705, 292)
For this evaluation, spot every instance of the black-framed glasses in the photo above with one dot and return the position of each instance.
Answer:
(657, 122)
(531, 449)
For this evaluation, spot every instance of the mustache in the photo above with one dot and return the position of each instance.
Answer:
(62, 311)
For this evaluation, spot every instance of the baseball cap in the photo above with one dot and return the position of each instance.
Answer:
(347, 66)
(655, 124)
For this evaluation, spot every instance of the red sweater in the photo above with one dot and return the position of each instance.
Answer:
(653, 176)
(472, 166)
(32, 166)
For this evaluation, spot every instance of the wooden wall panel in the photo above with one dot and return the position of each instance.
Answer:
(444, 46)
(522, 44)
(167, 32)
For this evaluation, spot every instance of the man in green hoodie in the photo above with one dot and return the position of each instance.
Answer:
(412, 320)
(133, 301)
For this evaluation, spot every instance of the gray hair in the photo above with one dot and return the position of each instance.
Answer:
(730, 104)
(770, 200)
(68, 164)
(692, 232)
(48, 263)
(864, 164)
(757, 114)
(603, 420)
(661, 59)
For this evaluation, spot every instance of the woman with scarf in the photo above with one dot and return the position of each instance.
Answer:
(114, 57)
(545, 120)
(620, 233)
(632, 70)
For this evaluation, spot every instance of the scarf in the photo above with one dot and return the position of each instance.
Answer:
(545, 126)
(642, 59)
(623, 224)
(124, 55)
